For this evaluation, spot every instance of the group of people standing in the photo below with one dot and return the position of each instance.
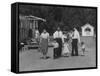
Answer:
(60, 43)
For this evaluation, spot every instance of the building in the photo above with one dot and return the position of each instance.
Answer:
(87, 30)
(28, 26)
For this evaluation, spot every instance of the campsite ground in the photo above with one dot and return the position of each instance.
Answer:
(29, 60)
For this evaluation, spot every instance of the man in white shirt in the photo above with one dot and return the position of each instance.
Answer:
(58, 37)
(75, 41)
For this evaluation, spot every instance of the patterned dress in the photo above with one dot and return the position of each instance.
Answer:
(44, 43)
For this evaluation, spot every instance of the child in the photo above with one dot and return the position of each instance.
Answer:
(83, 48)
(55, 50)
(65, 51)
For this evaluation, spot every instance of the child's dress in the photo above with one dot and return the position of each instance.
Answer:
(83, 49)
(65, 49)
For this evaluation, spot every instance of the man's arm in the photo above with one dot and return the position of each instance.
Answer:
(48, 37)
(40, 38)
(79, 38)
(62, 37)
(54, 35)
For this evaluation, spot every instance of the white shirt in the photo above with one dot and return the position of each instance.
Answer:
(58, 34)
(36, 33)
(76, 35)
(64, 36)
(45, 35)
(83, 46)
(55, 44)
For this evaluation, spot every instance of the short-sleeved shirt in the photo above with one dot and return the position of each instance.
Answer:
(45, 35)
(58, 34)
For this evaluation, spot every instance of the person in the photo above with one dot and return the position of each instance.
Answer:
(55, 48)
(69, 36)
(75, 41)
(44, 43)
(30, 33)
(65, 51)
(58, 36)
(37, 34)
(83, 48)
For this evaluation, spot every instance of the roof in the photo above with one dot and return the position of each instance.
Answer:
(87, 25)
(30, 17)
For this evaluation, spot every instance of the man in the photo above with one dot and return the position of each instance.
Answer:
(58, 37)
(75, 41)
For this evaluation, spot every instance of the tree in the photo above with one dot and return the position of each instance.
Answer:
(64, 17)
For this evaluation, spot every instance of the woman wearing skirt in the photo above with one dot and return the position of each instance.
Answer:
(44, 43)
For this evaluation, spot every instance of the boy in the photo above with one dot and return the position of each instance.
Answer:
(56, 48)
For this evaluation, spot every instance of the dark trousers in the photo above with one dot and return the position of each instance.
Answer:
(58, 53)
(55, 52)
(74, 47)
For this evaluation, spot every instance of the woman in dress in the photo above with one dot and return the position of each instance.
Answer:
(44, 43)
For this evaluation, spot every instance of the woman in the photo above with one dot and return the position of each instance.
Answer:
(44, 43)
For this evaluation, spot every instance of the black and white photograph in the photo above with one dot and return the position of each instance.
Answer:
(56, 37)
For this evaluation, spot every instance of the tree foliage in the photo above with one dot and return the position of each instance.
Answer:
(64, 17)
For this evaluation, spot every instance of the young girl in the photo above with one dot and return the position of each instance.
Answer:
(65, 51)
(83, 48)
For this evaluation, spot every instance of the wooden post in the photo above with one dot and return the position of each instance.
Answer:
(36, 24)
(33, 28)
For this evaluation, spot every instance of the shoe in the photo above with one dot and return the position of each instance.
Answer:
(76, 55)
(56, 57)
(72, 55)
(47, 57)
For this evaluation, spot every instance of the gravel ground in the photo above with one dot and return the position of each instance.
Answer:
(29, 60)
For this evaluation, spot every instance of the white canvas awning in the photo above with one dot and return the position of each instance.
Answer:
(30, 17)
